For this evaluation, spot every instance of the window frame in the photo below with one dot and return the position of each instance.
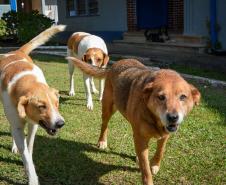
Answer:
(87, 9)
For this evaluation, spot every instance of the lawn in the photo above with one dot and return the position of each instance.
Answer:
(194, 155)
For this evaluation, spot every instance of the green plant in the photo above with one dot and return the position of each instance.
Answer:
(24, 26)
(218, 44)
(2, 28)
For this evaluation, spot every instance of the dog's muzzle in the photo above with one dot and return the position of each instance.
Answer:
(51, 131)
(172, 122)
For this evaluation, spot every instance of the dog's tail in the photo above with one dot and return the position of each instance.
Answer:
(41, 38)
(89, 69)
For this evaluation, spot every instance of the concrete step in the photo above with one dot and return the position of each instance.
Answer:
(167, 46)
(179, 38)
(137, 37)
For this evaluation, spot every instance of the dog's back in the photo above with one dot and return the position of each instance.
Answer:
(80, 42)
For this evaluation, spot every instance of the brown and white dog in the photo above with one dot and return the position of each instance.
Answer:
(91, 49)
(154, 102)
(26, 97)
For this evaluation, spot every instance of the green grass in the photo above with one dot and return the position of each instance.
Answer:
(195, 155)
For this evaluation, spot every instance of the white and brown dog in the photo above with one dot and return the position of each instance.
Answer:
(91, 49)
(26, 97)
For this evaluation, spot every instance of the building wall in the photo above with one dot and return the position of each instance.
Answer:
(37, 5)
(176, 16)
(110, 23)
(196, 15)
(221, 19)
(4, 8)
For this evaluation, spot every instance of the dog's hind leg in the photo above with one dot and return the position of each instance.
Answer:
(156, 160)
(107, 111)
(32, 129)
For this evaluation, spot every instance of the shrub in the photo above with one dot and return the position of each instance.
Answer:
(2, 28)
(24, 26)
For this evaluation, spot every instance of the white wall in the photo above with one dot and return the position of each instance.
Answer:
(4, 8)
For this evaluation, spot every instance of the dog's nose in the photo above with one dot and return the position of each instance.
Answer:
(172, 117)
(59, 124)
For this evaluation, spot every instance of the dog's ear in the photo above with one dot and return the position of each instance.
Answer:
(106, 59)
(23, 101)
(147, 90)
(55, 91)
(195, 94)
(84, 58)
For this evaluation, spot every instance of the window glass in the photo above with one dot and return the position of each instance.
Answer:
(93, 7)
(82, 7)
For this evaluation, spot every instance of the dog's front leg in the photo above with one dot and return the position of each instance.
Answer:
(141, 146)
(93, 87)
(21, 143)
(32, 129)
(156, 160)
(88, 92)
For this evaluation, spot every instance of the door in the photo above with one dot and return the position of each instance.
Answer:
(152, 14)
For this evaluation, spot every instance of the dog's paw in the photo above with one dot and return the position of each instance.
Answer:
(102, 144)
(95, 91)
(14, 149)
(89, 105)
(154, 169)
(71, 93)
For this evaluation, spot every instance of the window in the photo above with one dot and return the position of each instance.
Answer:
(4, 2)
(82, 7)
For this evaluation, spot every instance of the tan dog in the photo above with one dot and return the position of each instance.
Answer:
(154, 102)
(26, 97)
(91, 49)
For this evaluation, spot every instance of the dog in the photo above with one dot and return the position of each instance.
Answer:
(91, 49)
(155, 103)
(26, 97)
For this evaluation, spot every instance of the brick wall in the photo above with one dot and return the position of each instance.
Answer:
(176, 15)
(131, 15)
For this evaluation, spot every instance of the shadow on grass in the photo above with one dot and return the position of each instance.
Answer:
(49, 58)
(64, 162)
(214, 98)
(67, 162)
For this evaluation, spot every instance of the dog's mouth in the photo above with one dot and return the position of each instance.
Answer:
(172, 127)
(50, 131)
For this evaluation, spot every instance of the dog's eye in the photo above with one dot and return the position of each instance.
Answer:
(161, 97)
(183, 97)
(41, 107)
